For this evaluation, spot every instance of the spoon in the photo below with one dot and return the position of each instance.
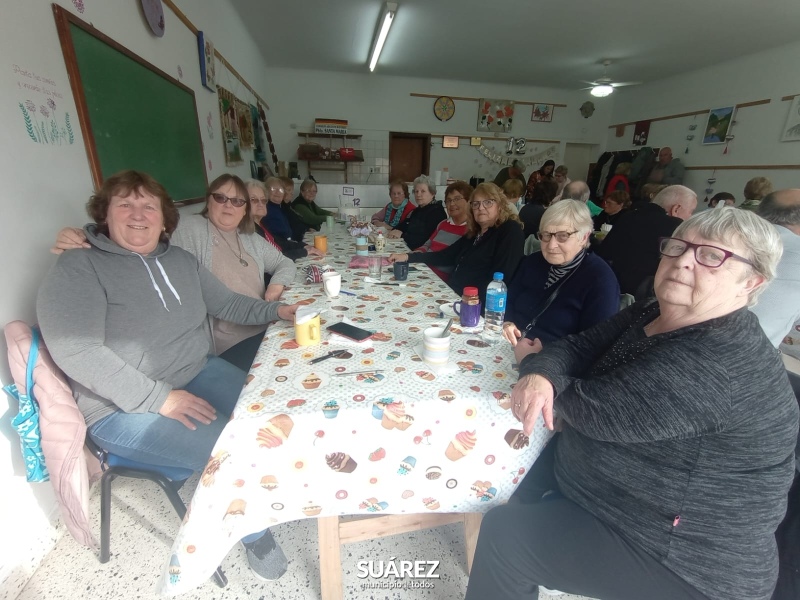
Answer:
(447, 328)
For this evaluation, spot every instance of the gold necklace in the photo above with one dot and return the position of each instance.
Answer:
(242, 261)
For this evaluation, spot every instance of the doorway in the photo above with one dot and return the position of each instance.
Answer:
(409, 155)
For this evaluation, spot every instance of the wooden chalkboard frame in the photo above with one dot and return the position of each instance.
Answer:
(63, 20)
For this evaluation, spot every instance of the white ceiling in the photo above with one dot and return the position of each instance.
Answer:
(524, 42)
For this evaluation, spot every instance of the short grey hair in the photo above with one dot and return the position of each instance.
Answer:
(572, 213)
(672, 195)
(425, 180)
(731, 226)
(255, 183)
(576, 190)
(307, 183)
(777, 212)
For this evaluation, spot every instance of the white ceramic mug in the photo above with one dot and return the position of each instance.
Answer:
(332, 284)
(435, 348)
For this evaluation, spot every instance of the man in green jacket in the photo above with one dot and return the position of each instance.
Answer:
(304, 205)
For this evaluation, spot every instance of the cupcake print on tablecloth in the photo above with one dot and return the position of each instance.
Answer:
(311, 381)
(341, 462)
(331, 409)
(395, 417)
(275, 432)
(516, 439)
(461, 445)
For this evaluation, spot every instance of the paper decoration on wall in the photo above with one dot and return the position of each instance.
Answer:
(641, 131)
(791, 131)
(718, 124)
(208, 75)
(79, 5)
(551, 152)
(516, 145)
(495, 115)
(230, 127)
(43, 124)
(542, 113)
(264, 122)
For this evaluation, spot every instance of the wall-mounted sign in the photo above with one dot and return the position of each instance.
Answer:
(474, 141)
(450, 141)
(335, 126)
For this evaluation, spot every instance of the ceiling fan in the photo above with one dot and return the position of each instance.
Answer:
(604, 85)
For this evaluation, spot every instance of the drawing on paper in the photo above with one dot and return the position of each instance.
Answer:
(43, 125)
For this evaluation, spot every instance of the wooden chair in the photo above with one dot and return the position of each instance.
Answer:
(336, 531)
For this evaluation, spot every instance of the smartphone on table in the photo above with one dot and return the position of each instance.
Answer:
(351, 332)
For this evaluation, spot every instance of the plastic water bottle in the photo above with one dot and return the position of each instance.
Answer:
(496, 295)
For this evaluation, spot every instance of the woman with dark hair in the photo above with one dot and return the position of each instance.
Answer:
(540, 199)
(397, 210)
(726, 198)
(221, 237)
(615, 205)
(544, 173)
(493, 243)
(126, 319)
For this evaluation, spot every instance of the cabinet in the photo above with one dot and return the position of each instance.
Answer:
(321, 151)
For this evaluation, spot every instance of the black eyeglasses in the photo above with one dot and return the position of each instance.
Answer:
(475, 204)
(222, 199)
(561, 236)
(708, 256)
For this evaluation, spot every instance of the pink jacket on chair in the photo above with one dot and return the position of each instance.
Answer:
(63, 431)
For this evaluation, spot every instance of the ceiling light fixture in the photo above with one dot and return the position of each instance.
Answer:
(601, 91)
(386, 20)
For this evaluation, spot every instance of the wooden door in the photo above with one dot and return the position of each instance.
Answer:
(409, 155)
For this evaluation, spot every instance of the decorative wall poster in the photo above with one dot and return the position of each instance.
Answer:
(208, 76)
(258, 139)
(536, 160)
(791, 132)
(246, 136)
(542, 113)
(43, 122)
(641, 131)
(719, 121)
(230, 127)
(495, 115)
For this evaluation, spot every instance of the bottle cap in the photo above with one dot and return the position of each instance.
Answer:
(498, 275)
(470, 291)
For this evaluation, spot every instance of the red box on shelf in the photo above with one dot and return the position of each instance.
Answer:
(347, 153)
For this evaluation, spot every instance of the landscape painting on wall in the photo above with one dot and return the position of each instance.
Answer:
(718, 124)
(791, 131)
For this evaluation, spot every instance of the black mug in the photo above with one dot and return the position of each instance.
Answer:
(401, 271)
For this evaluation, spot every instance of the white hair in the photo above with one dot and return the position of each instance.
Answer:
(572, 213)
(425, 180)
(673, 195)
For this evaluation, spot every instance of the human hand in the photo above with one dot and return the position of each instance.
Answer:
(531, 397)
(526, 346)
(511, 333)
(180, 405)
(395, 234)
(273, 292)
(398, 257)
(69, 238)
(287, 311)
(314, 251)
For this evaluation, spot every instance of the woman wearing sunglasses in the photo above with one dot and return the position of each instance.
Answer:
(671, 472)
(493, 243)
(563, 289)
(222, 238)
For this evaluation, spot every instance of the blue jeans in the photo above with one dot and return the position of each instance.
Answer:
(157, 440)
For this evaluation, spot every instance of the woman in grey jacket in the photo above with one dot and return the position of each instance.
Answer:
(127, 321)
(677, 451)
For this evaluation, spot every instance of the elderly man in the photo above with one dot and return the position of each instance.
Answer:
(579, 190)
(515, 171)
(631, 247)
(306, 207)
(667, 170)
(779, 306)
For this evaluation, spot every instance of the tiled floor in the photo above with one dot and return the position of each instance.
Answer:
(142, 529)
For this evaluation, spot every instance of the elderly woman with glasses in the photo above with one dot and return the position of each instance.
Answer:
(276, 221)
(397, 210)
(222, 238)
(419, 225)
(671, 473)
(563, 289)
(493, 243)
(305, 205)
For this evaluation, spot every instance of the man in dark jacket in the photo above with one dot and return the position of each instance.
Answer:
(631, 247)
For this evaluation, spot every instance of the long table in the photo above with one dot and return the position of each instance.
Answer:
(306, 442)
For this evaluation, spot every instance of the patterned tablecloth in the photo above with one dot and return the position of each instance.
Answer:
(305, 442)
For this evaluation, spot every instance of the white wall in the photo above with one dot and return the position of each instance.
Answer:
(770, 74)
(374, 105)
(46, 186)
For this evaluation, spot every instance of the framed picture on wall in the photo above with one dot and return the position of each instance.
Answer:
(717, 125)
(495, 115)
(791, 131)
(542, 113)
(207, 62)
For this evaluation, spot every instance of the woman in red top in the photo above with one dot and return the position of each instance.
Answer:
(399, 207)
(545, 172)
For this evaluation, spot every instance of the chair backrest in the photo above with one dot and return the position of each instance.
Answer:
(532, 244)
(63, 430)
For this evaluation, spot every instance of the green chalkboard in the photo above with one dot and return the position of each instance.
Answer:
(133, 115)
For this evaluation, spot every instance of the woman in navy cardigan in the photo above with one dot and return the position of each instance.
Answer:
(562, 289)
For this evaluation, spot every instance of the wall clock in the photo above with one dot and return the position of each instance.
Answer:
(444, 108)
(154, 13)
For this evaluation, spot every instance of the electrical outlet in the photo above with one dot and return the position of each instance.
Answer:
(372, 170)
